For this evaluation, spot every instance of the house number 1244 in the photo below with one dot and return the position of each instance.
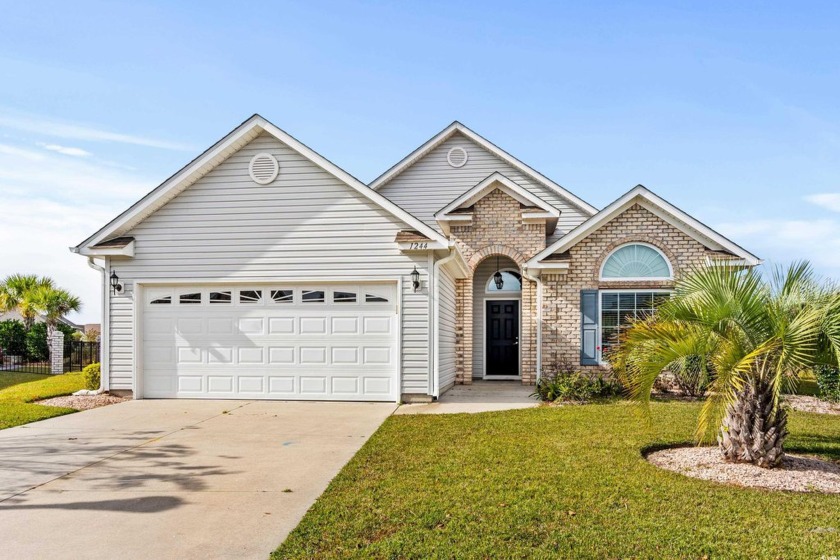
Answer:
(416, 246)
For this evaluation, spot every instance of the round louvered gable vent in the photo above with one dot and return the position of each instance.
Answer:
(263, 168)
(457, 157)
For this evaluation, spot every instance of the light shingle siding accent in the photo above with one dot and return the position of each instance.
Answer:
(497, 229)
(561, 295)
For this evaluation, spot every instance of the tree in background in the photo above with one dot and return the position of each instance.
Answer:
(13, 337)
(17, 293)
(54, 303)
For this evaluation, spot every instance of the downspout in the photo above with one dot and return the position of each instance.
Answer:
(436, 305)
(104, 335)
(539, 318)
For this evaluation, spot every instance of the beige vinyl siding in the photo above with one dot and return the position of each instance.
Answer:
(431, 183)
(482, 275)
(306, 225)
(446, 326)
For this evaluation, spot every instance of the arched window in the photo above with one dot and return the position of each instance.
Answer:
(511, 282)
(636, 261)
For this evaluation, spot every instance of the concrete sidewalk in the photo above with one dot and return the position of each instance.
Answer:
(172, 478)
(480, 396)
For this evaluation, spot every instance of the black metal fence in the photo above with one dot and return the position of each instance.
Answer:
(22, 364)
(79, 354)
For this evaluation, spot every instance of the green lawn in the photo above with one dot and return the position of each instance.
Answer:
(18, 390)
(564, 482)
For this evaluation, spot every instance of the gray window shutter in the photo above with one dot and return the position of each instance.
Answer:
(588, 327)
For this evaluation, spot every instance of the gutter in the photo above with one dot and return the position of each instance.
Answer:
(539, 318)
(104, 336)
(436, 307)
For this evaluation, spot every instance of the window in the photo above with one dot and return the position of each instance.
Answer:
(192, 297)
(220, 297)
(620, 309)
(282, 296)
(371, 298)
(313, 296)
(636, 261)
(162, 300)
(511, 282)
(250, 296)
(344, 297)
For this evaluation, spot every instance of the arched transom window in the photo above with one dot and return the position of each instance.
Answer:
(636, 261)
(511, 282)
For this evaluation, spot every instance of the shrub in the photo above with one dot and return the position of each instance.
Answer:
(566, 385)
(92, 375)
(13, 337)
(36, 340)
(828, 380)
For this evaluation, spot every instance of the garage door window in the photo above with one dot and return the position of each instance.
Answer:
(313, 296)
(220, 297)
(282, 296)
(344, 297)
(371, 298)
(250, 296)
(162, 300)
(192, 297)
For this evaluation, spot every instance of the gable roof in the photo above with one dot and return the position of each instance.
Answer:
(216, 154)
(659, 207)
(537, 207)
(457, 127)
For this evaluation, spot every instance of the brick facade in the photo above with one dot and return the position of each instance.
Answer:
(497, 228)
(561, 292)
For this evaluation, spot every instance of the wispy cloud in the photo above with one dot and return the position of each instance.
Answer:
(829, 201)
(61, 129)
(66, 150)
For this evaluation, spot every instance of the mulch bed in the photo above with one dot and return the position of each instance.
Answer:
(796, 474)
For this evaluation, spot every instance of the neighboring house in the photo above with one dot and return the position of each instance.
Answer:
(262, 270)
(15, 315)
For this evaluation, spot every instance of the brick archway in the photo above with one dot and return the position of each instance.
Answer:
(493, 250)
(465, 314)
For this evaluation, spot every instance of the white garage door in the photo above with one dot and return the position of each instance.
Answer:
(270, 342)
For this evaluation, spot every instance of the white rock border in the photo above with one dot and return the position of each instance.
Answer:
(796, 474)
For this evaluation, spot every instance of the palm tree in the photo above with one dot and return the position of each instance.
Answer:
(17, 293)
(53, 303)
(752, 338)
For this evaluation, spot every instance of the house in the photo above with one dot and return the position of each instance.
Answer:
(14, 315)
(261, 270)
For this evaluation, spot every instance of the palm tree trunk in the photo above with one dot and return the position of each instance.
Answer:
(751, 431)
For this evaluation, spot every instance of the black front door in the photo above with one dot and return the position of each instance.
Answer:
(502, 338)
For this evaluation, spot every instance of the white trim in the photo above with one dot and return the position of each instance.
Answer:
(125, 251)
(496, 181)
(601, 293)
(639, 278)
(220, 151)
(658, 206)
(141, 284)
(446, 133)
(435, 384)
(518, 339)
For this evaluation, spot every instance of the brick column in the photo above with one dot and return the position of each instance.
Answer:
(56, 344)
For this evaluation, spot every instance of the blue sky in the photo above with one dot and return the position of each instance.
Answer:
(727, 110)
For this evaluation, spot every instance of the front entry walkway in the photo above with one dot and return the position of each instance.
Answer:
(481, 396)
(173, 478)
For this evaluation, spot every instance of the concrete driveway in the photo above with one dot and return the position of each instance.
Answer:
(172, 479)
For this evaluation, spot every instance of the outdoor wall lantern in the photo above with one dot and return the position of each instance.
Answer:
(116, 287)
(497, 278)
(415, 279)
